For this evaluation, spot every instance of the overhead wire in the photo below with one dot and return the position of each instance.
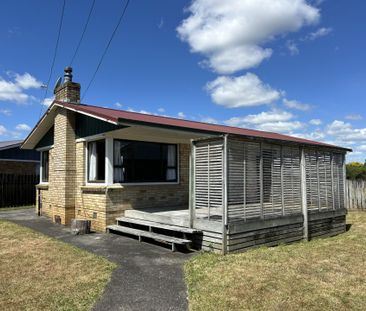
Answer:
(106, 48)
(54, 55)
(83, 33)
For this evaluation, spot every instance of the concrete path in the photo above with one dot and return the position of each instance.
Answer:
(148, 277)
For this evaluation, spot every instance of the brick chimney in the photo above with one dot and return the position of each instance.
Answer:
(68, 91)
(62, 176)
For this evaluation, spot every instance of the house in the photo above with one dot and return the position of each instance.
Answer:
(14, 160)
(221, 188)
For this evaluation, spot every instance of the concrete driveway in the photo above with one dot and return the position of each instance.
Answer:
(148, 277)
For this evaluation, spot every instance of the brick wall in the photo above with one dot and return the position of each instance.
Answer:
(61, 190)
(16, 167)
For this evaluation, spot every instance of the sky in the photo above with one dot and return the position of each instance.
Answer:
(290, 66)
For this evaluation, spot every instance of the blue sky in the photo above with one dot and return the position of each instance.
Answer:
(289, 66)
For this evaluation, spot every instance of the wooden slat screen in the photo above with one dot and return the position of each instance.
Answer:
(209, 179)
(291, 180)
(263, 180)
(324, 180)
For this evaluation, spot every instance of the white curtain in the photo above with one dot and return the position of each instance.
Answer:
(93, 161)
(118, 171)
(171, 172)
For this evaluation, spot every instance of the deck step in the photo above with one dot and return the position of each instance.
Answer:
(152, 235)
(153, 224)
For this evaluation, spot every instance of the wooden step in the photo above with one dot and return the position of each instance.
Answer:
(153, 224)
(155, 236)
(166, 218)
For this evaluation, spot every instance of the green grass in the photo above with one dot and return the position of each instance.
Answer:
(41, 273)
(324, 274)
(7, 209)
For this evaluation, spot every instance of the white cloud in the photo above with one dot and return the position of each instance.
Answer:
(48, 101)
(23, 127)
(321, 32)
(362, 147)
(294, 104)
(161, 23)
(14, 90)
(354, 117)
(273, 121)
(181, 115)
(3, 130)
(5, 112)
(209, 120)
(27, 81)
(231, 33)
(315, 122)
(118, 105)
(281, 127)
(345, 133)
(242, 91)
(292, 47)
(262, 117)
(161, 110)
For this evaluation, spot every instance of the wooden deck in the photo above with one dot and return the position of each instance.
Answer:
(178, 215)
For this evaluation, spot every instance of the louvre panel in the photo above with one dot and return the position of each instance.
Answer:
(244, 180)
(209, 177)
(338, 180)
(272, 188)
(312, 196)
(324, 180)
(291, 180)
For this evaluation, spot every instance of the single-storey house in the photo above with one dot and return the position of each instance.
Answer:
(222, 188)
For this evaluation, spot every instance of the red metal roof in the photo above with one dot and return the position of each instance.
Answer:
(120, 116)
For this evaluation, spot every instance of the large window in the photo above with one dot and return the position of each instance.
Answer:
(45, 166)
(136, 162)
(96, 161)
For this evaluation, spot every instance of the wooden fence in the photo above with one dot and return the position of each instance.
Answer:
(17, 190)
(356, 194)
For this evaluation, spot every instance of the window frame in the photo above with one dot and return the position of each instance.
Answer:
(96, 182)
(42, 150)
(143, 183)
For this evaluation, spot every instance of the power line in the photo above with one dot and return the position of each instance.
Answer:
(106, 48)
(83, 33)
(54, 55)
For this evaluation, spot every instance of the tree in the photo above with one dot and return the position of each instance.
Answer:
(356, 170)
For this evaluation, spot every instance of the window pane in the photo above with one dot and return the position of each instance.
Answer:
(45, 165)
(136, 161)
(96, 161)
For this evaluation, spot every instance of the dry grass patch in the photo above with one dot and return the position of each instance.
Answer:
(41, 273)
(324, 274)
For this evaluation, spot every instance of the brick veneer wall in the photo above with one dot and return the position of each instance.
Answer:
(17, 167)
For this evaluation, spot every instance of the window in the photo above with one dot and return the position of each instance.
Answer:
(136, 162)
(44, 166)
(96, 161)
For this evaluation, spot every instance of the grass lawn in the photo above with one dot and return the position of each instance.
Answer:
(324, 274)
(41, 273)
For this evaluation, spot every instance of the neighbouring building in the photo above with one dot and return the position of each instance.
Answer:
(218, 187)
(14, 160)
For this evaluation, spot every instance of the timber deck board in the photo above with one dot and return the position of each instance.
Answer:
(158, 225)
